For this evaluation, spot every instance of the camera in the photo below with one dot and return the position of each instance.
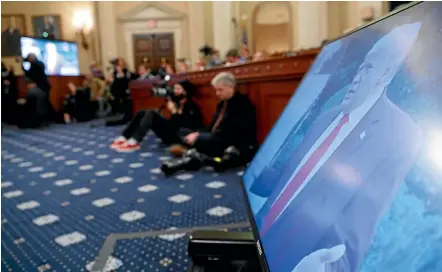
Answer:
(163, 91)
(162, 88)
(232, 158)
(192, 160)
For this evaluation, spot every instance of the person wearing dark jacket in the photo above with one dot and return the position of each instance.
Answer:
(234, 123)
(77, 105)
(36, 72)
(9, 94)
(32, 109)
(185, 117)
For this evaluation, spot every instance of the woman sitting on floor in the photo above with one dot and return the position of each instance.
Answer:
(185, 117)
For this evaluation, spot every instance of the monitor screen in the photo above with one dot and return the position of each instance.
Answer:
(350, 177)
(59, 57)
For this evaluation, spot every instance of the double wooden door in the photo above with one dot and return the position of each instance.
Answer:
(154, 47)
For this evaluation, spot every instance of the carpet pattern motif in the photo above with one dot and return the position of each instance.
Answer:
(64, 191)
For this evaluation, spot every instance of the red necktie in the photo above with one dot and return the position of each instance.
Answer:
(220, 116)
(299, 178)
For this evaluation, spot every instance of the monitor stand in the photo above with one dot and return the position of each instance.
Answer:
(226, 251)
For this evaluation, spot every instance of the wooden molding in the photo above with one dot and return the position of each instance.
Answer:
(255, 25)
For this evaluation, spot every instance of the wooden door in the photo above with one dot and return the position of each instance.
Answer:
(143, 47)
(155, 47)
(164, 48)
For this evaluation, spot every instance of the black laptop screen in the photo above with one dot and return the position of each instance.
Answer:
(350, 177)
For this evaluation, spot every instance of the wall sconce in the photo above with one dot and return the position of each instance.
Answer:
(82, 22)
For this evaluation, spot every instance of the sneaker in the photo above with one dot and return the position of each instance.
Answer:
(177, 150)
(127, 148)
(117, 143)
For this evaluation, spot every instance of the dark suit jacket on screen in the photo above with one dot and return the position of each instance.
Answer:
(345, 199)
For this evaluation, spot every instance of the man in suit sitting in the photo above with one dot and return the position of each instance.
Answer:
(323, 206)
(234, 123)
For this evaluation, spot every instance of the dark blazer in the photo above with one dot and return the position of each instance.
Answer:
(190, 117)
(37, 74)
(345, 199)
(120, 86)
(238, 126)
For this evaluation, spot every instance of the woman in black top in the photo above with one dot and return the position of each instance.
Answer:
(185, 117)
(120, 87)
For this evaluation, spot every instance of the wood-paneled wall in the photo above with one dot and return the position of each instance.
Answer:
(59, 88)
(269, 84)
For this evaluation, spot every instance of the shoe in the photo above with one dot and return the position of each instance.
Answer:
(177, 150)
(127, 148)
(117, 143)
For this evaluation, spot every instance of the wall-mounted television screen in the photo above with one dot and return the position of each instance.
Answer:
(59, 57)
(350, 177)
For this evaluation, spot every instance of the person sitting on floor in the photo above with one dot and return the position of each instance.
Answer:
(234, 123)
(77, 105)
(32, 110)
(185, 117)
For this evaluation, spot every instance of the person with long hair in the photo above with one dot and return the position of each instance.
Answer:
(185, 117)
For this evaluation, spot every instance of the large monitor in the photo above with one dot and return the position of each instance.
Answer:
(59, 57)
(350, 177)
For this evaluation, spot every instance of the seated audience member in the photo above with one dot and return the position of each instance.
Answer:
(214, 59)
(32, 110)
(185, 117)
(259, 56)
(200, 64)
(144, 71)
(165, 68)
(233, 124)
(182, 66)
(77, 106)
(232, 57)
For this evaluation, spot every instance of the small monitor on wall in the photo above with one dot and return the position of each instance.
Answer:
(59, 57)
(350, 177)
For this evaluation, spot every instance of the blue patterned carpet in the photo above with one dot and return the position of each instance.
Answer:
(64, 191)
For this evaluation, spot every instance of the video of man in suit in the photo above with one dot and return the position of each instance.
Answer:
(350, 177)
(60, 58)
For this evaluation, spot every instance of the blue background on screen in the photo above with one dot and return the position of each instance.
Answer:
(408, 235)
(59, 57)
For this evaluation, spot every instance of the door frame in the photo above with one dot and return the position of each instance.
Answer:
(139, 28)
(153, 49)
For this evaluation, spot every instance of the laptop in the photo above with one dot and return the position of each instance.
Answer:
(350, 177)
